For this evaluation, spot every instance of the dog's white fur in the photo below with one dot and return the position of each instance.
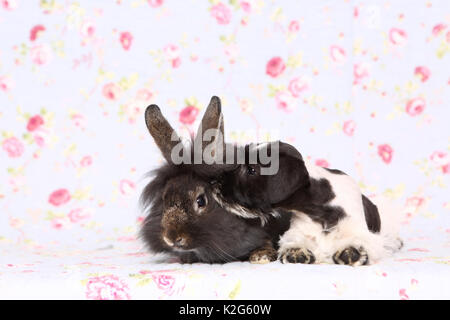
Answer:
(351, 231)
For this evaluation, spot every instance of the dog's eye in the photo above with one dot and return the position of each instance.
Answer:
(201, 201)
(251, 171)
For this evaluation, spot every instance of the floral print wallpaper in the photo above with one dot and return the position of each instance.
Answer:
(362, 86)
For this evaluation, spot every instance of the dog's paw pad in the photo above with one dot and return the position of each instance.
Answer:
(263, 256)
(351, 256)
(297, 255)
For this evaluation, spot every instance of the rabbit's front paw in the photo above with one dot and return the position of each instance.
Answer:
(263, 255)
(297, 255)
(351, 256)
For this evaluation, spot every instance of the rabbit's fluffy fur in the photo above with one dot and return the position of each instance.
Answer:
(327, 218)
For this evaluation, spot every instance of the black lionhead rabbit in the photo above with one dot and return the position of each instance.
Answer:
(184, 219)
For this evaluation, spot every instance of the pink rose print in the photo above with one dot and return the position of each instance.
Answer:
(322, 163)
(284, 101)
(385, 151)
(78, 214)
(294, 26)
(298, 85)
(442, 160)
(349, 127)
(360, 71)
(9, 4)
(13, 146)
(87, 29)
(111, 91)
(58, 223)
(337, 54)
(41, 54)
(35, 122)
(188, 115)
(422, 72)
(144, 95)
(164, 282)
(86, 161)
(397, 37)
(275, 67)
(437, 29)
(415, 106)
(126, 38)
(403, 295)
(246, 6)
(39, 140)
(221, 13)
(59, 197)
(36, 31)
(108, 287)
(172, 52)
(6, 83)
(126, 187)
(155, 3)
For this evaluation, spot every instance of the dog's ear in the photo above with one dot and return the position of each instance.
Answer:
(292, 174)
(164, 135)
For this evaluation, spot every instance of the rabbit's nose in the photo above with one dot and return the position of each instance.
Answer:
(179, 242)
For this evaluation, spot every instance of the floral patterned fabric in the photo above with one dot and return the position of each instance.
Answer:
(362, 86)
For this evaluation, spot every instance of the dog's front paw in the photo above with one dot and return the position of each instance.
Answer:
(263, 255)
(297, 255)
(351, 256)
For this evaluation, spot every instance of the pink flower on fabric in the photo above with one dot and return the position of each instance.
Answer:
(14, 147)
(403, 295)
(86, 161)
(360, 71)
(36, 31)
(349, 127)
(155, 3)
(126, 187)
(8, 4)
(111, 91)
(188, 115)
(437, 29)
(57, 223)
(126, 38)
(87, 29)
(246, 6)
(172, 52)
(108, 287)
(144, 95)
(422, 72)
(415, 106)
(284, 101)
(78, 214)
(275, 67)
(221, 13)
(35, 122)
(385, 151)
(442, 160)
(397, 36)
(298, 85)
(164, 282)
(337, 54)
(322, 163)
(40, 140)
(294, 26)
(41, 54)
(59, 197)
(6, 83)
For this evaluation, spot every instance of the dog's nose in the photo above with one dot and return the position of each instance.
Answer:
(179, 242)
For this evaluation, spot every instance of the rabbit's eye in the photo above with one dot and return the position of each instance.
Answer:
(201, 201)
(251, 171)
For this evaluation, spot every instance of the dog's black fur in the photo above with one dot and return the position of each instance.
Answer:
(290, 189)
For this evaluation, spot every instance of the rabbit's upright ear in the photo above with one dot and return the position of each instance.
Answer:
(164, 135)
(292, 174)
(210, 133)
